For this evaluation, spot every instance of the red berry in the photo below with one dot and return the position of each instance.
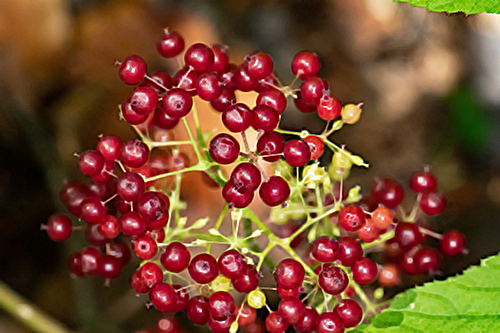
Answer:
(158, 81)
(177, 103)
(130, 116)
(132, 70)
(312, 89)
(208, 86)
(352, 218)
(186, 79)
(452, 244)
(110, 147)
(243, 80)
(111, 267)
(145, 246)
(382, 218)
(162, 119)
(132, 224)
(302, 105)
(231, 263)
(197, 310)
(364, 271)
(275, 323)
(163, 297)
(203, 268)
(273, 98)
(291, 309)
(305, 64)
(289, 273)
(221, 305)
(143, 100)
(349, 311)
(221, 58)
(271, 143)
(237, 117)
(231, 194)
(225, 99)
(307, 322)
(170, 45)
(297, 153)
(246, 281)
(247, 315)
(134, 154)
(91, 261)
(176, 257)
(275, 191)
(389, 275)
(388, 192)
(316, 145)
(427, 260)
(264, 118)
(407, 235)
(224, 148)
(433, 203)
(332, 279)
(329, 107)
(90, 162)
(93, 211)
(200, 57)
(59, 227)
(329, 322)
(423, 182)
(109, 227)
(368, 233)
(72, 194)
(130, 186)
(350, 251)
(325, 249)
(260, 65)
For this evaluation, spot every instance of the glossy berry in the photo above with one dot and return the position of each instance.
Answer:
(297, 153)
(329, 322)
(364, 271)
(221, 58)
(237, 117)
(132, 70)
(260, 65)
(145, 246)
(72, 194)
(388, 192)
(171, 44)
(197, 310)
(305, 64)
(246, 177)
(90, 259)
(237, 199)
(130, 116)
(352, 218)
(325, 249)
(221, 305)
(158, 80)
(408, 262)
(423, 182)
(389, 275)
(247, 280)
(350, 251)
(130, 186)
(150, 274)
(224, 148)
(208, 86)
(289, 273)
(316, 146)
(59, 227)
(111, 267)
(109, 227)
(452, 244)
(349, 311)
(134, 153)
(110, 147)
(247, 315)
(119, 249)
(427, 260)
(332, 279)
(312, 89)
(143, 100)
(271, 143)
(225, 99)
(275, 323)
(93, 211)
(186, 79)
(153, 207)
(433, 203)
(90, 162)
(132, 224)
(163, 297)
(231, 263)
(382, 218)
(243, 80)
(176, 257)
(275, 191)
(302, 105)
(177, 103)
(273, 98)
(221, 326)
(407, 235)
(203, 268)
(162, 119)
(368, 233)
(291, 309)
(92, 236)
(200, 57)
(351, 113)
(307, 322)
(329, 107)
(264, 118)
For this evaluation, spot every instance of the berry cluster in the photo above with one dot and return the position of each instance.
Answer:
(134, 193)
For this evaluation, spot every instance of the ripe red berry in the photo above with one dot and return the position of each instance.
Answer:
(260, 65)
(316, 145)
(176, 257)
(221, 58)
(132, 69)
(109, 227)
(307, 322)
(452, 244)
(110, 147)
(158, 80)
(243, 80)
(247, 315)
(132, 224)
(163, 297)
(350, 251)
(208, 86)
(143, 100)
(388, 192)
(368, 233)
(162, 119)
(275, 323)
(246, 177)
(197, 310)
(237, 117)
(305, 64)
(134, 153)
(329, 322)
(329, 107)
(145, 246)
(423, 182)
(349, 311)
(111, 266)
(247, 280)
(231, 263)
(59, 227)
(186, 79)
(93, 211)
(203, 268)
(433, 203)
(291, 309)
(273, 98)
(275, 191)
(271, 143)
(90, 162)
(171, 44)
(130, 186)
(364, 271)
(224, 148)
(297, 153)
(352, 218)
(177, 103)
(302, 105)
(325, 249)
(200, 57)
(221, 305)
(90, 260)
(312, 89)
(289, 273)
(130, 116)
(264, 118)
(225, 99)
(332, 279)
(231, 194)
(407, 235)
(72, 194)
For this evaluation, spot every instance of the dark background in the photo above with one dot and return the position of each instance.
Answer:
(427, 81)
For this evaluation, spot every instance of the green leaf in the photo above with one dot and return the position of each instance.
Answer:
(466, 6)
(466, 303)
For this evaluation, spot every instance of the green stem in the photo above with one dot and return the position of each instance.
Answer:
(219, 222)
(27, 313)
(192, 139)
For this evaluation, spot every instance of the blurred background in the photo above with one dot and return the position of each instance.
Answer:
(430, 84)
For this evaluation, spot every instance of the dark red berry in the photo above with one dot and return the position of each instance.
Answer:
(423, 182)
(221, 305)
(59, 227)
(291, 309)
(158, 80)
(145, 246)
(246, 177)
(177, 103)
(225, 99)
(271, 143)
(75, 264)
(200, 57)
(109, 227)
(163, 297)
(297, 153)
(132, 69)
(186, 79)
(231, 263)
(130, 116)
(243, 80)
(92, 235)
(143, 100)
(325, 249)
(72, 194)
(275, 191)
(388, 192)
(289, 273)
(237, 117)
(111, 267)
(203, 268)
(305, 64)
(224, 148)
(427, 260)
(302, 105)
(170, 45)
(260, 65)
(132, 224)
(130, 186)
(162, 119)
(246, 281)
(197, 310)
(350, 251)
(275, 323)
(307, 322)
(407, 235)
(273, 98)
(364, 271)
(119, 249)
(176, 257)
(332, 279)
(329, 322)
(231, 194)
(264, 118)
(109, 147)
(90, 162)
(352, 218)
(153, 206)
(452, 244)
(93, 211)
(349, 311)
(312, 89)
(134, 154)
(90, 258)
(433, 203)
(208, 86)
(221, 58)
